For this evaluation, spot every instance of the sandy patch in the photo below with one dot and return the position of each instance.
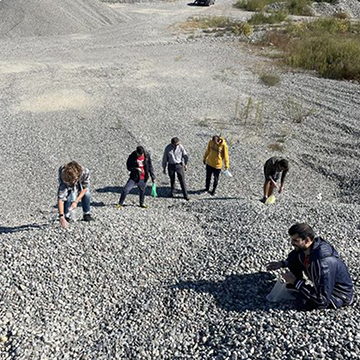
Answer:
(62, 100)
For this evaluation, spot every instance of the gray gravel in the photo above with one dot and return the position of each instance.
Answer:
(179, 279)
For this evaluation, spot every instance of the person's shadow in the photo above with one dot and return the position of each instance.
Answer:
(238, 292)
(162, 191)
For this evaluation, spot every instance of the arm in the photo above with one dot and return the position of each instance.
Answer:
(207, 152)
(185, 156)
(151, 169)
(164, 160)
(226, 155)
(282, 180)
(63, 221)
(268, 170)
(323, 272)
(275, 265)
(130, 164)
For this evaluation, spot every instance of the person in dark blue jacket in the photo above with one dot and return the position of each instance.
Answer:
(331, 283)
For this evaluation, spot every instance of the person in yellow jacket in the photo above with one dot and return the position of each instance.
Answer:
(216, 152)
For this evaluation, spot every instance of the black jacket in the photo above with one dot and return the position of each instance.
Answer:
(132, 166)
(328, 273)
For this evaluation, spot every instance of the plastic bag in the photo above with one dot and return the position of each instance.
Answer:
(153, 190)
(228, 174)
(270, 200)
(280, 292)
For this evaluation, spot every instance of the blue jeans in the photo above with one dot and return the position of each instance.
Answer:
(85, 203)
(128, 187)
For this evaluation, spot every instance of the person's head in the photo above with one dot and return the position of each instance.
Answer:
(175, 141)
(217, 139)
(140, 151)
(302, 236)
(71, 172)
(283, 165)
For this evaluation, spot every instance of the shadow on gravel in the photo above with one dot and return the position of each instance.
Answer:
(239, 292)
(93, 203)
(162, 191)
(7, 230)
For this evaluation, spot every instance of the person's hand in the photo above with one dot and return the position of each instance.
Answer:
(154, 181)
(74, 205)
(204, 162)
(289, 277)
(63, 222)
(274, 265)
(138, 169)
(281, 188)
(164, 171)
(185, 167)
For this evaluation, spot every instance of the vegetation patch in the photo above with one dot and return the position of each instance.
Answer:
(254, 5)
(329, 46)
(269, 79)
(263, 18)
(217, 25)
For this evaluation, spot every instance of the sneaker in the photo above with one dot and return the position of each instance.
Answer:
(263, 200)
(172, 193)
(118, 206)
(87, 217)
(186, 198)
(212, 193)
(144, 206)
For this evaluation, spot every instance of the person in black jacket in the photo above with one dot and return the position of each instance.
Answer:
(273, 168)
(140, 167)
(332, 286)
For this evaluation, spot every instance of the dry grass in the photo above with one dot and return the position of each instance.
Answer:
(270, 79)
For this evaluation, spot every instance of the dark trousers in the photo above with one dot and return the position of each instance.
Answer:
(177, 169)
(128, 187)
(209, 171)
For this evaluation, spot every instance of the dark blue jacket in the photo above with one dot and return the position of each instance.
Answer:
(332, 285)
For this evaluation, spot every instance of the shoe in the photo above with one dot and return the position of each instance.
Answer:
(172, 194)
(263, 200)
(119, 206)
(186, 198)
(68, 219)
(212, 193)
(144, 206)
(87, 217)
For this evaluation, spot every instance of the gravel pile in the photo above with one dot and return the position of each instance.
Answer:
(350, 7)
(179, 279)
(45, 18)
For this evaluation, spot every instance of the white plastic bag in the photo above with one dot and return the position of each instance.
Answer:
(228, 174)
(280, 292)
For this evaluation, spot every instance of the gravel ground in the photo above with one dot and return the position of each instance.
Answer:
(179, 279)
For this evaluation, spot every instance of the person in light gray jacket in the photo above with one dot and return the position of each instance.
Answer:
(176, 159)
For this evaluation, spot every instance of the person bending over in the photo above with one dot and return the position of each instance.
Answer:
(74, 186)
(273, 168)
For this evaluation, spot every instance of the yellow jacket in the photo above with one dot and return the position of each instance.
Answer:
(215, 154)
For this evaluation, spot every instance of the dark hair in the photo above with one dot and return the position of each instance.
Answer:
(303, 230)
(284, 164)
(215, 137)
(175, 140)
(140, 150)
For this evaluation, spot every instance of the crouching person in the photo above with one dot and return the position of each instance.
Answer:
(140, 167)
(331, 287)
(74, 186)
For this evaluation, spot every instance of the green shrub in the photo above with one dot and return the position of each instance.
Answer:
(253, 5)
(262, 18)
(270, 79)
(332, 56)
(299, 7)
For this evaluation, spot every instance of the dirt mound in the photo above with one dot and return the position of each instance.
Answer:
(52, 17)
